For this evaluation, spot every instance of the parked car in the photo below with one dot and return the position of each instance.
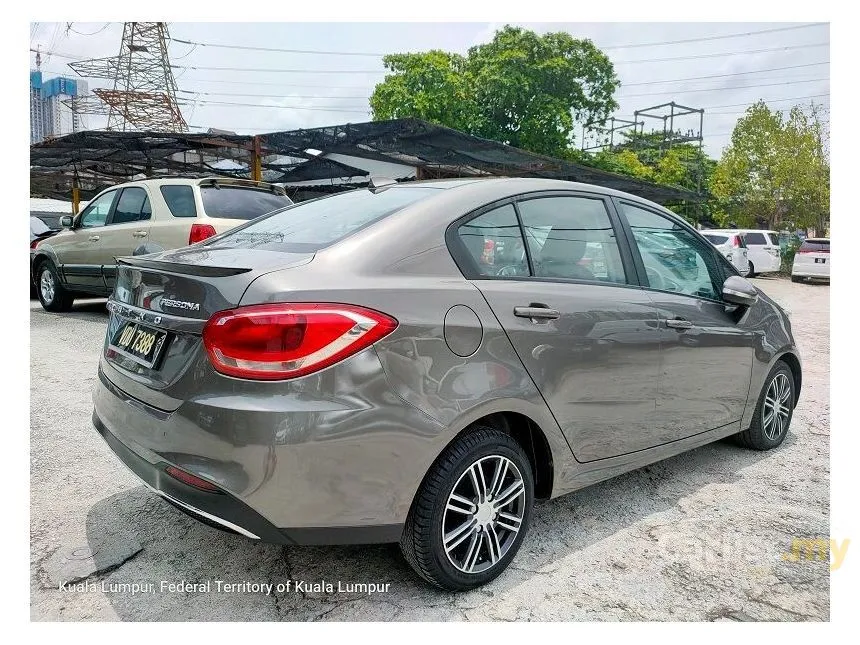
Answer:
(357, 369)
(763, 248)
(38, 231)
(136, 218)
(812, 260)
(731, 244)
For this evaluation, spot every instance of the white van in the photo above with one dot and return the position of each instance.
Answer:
(762, 248)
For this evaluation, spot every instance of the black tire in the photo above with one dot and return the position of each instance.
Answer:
(795, 278)
(757, 436)
(422, 540)
(62, 300)
(751, 272)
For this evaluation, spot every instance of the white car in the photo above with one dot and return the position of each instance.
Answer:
(762, 248)
(812, 260)
(731, 244)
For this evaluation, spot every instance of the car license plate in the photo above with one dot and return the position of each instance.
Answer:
(139, 343)
(820, 260)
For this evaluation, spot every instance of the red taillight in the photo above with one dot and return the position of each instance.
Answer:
(200, 232)
(34, 244)
(191, 480)
(736, 241)
(287, 340)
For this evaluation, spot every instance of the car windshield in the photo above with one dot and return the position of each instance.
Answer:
(815, 246)
(312, 225)
(716, 239)
(240, 202)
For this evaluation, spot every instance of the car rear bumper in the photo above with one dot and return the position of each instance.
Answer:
(811, 271)
(290, 468)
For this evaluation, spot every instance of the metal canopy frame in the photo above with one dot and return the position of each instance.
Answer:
(95, 160)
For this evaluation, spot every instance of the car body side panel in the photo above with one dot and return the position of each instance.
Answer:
(771, 329)
(597, 365)
(705, 370)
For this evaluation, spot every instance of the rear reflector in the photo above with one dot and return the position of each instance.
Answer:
(288, 340)
(191, 480)
(200, 232)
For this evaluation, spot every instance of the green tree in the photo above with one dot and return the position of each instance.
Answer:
(521, 88)
(775, 172)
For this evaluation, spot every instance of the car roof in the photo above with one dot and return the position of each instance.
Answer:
(817, 239)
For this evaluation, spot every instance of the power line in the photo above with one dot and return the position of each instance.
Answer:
(272, 96)
(720, 37)
(364, 97)
(754, 71)
(726, 88)
(378, 55)
(719, 54)
(382, 71)
(329, 108)
(275, 49)
(270, 70)
(80, 33)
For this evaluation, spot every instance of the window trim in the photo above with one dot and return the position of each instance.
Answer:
(112, 213)
(675, 219)
(464, 261)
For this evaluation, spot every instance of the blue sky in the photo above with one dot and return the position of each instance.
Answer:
(333, 89)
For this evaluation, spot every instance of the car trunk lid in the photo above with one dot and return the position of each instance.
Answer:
(169, 297)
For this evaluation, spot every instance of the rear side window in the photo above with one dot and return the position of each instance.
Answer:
(571, 238)
(310, 226)
(180, 200)
(815, 246)
(494, 243)
(755, 238)
(718, 240)
(239, 202)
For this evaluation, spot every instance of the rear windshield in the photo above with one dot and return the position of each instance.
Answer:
(755, 238)
(239, 202)
(717, 239)
(813, 246)
(310, 226)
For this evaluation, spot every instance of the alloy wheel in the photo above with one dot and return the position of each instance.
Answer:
(47, 286)
(483, 514)
(777, 407)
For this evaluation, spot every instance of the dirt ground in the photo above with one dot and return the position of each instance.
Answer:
(701, 536)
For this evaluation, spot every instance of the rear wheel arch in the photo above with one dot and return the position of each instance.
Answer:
(527, 433)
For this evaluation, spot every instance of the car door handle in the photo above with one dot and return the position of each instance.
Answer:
(678, 323)
(140, 233)
(536, 311)
(94, 238)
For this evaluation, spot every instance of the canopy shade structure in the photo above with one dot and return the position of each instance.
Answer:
(97, 159)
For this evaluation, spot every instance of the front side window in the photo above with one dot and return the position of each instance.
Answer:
(96, 213)
(494, 243)
(131, 206)
(675, 259)
(571, 238)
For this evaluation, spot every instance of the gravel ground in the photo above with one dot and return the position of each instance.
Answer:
(700, 536)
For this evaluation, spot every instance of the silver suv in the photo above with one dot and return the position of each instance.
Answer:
(136, 218)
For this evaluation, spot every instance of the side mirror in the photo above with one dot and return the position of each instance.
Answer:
(738, 291)
(66, 221)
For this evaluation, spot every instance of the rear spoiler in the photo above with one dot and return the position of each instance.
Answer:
(216, 182)
(200, 270)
